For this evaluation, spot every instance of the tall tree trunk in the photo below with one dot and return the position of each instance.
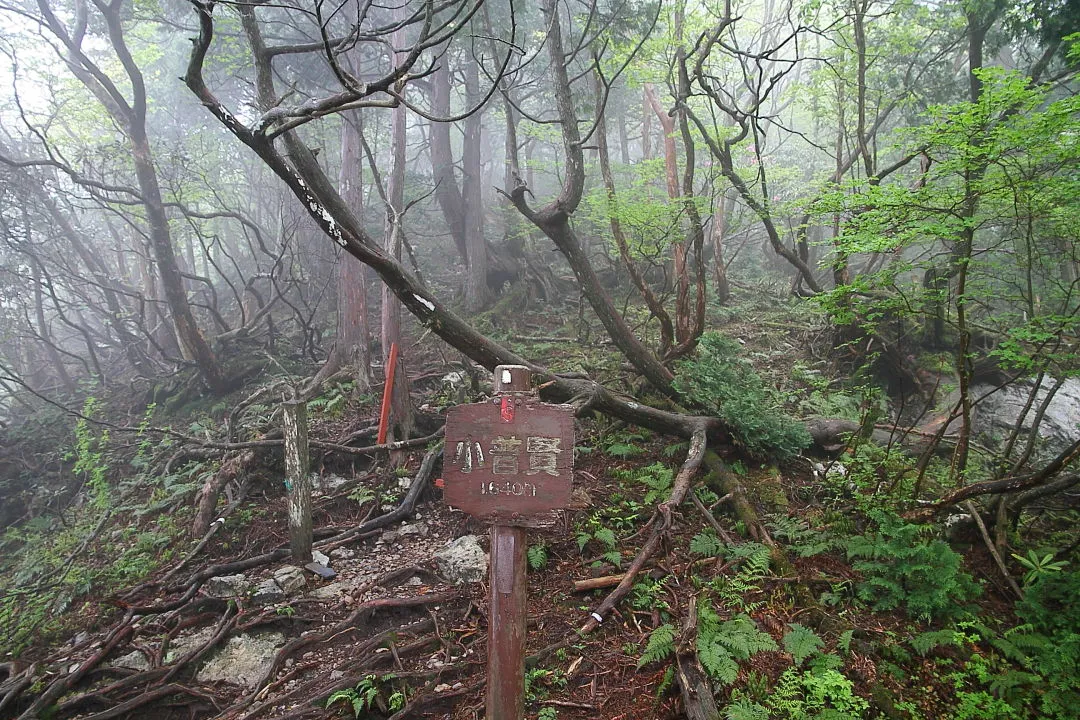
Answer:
(401, 404)
(683, 316)
(646, 127)
(353, 333)
(43, 331)
(719, 232)
(447, 192)
(476, 288)
(656, 307)
(554, 219)
(131, 116)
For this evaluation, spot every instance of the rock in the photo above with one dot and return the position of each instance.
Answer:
(462, 561)
(320, 558)
(134, 660)
(336, 675)
(995, 417)
(442, 687)
(243, 660)
(342, 553)
(389, 536)
(327, 483)
(416, 529)
(404, 483)
(321, 570)
(268, 591)
(184, 644)
(290, 579)
(328, 592)
(227, 586)
(414, 581)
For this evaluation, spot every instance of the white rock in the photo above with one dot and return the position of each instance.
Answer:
(320, 558)
(227, 586)
(462, 560)
(328, 592)
(243, 660)
(268, 591)
(417, 529)
(290, 579)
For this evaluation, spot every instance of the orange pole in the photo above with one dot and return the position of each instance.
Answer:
(388, 389)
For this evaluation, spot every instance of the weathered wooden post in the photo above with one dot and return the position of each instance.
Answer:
(509, 461)
(297, 478)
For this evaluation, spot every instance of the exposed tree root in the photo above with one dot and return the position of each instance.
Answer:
(661, 523)
(156, 680)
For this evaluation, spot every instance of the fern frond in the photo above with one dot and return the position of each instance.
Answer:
(660, 646)
(802, 642)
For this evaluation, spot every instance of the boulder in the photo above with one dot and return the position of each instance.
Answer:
(996, 415)
(290, 579)
(243, 660)
(184, 644)
(267, 592)
(227, 586)
(462, 561)
(331, 591)
(134, 660)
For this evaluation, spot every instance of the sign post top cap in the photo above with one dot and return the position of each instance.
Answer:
(512, 378)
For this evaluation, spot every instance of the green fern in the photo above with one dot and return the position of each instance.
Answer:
(745, 709)
(722, 644)
(661, 645)
(923, 643)
(802, 642)
(537, 556)
(800, 537)
(706, 544)
(905, 568)
(755, 557)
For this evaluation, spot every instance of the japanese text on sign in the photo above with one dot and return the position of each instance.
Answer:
(512, 455)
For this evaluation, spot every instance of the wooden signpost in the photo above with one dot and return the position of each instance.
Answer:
(508, 461)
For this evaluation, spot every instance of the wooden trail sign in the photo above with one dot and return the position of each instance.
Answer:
(507, 461)
(509, 457)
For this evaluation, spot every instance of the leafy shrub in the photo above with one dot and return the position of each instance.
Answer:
(718, 379)
(903, 567)
(818, 693)
(1050, 603)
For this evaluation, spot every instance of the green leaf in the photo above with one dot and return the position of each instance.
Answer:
(706, 544)
(661, 645)
(802, 642)
(537, 556)
(745, 709)
(606, 536)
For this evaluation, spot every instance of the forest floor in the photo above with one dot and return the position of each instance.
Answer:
(834, 629)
